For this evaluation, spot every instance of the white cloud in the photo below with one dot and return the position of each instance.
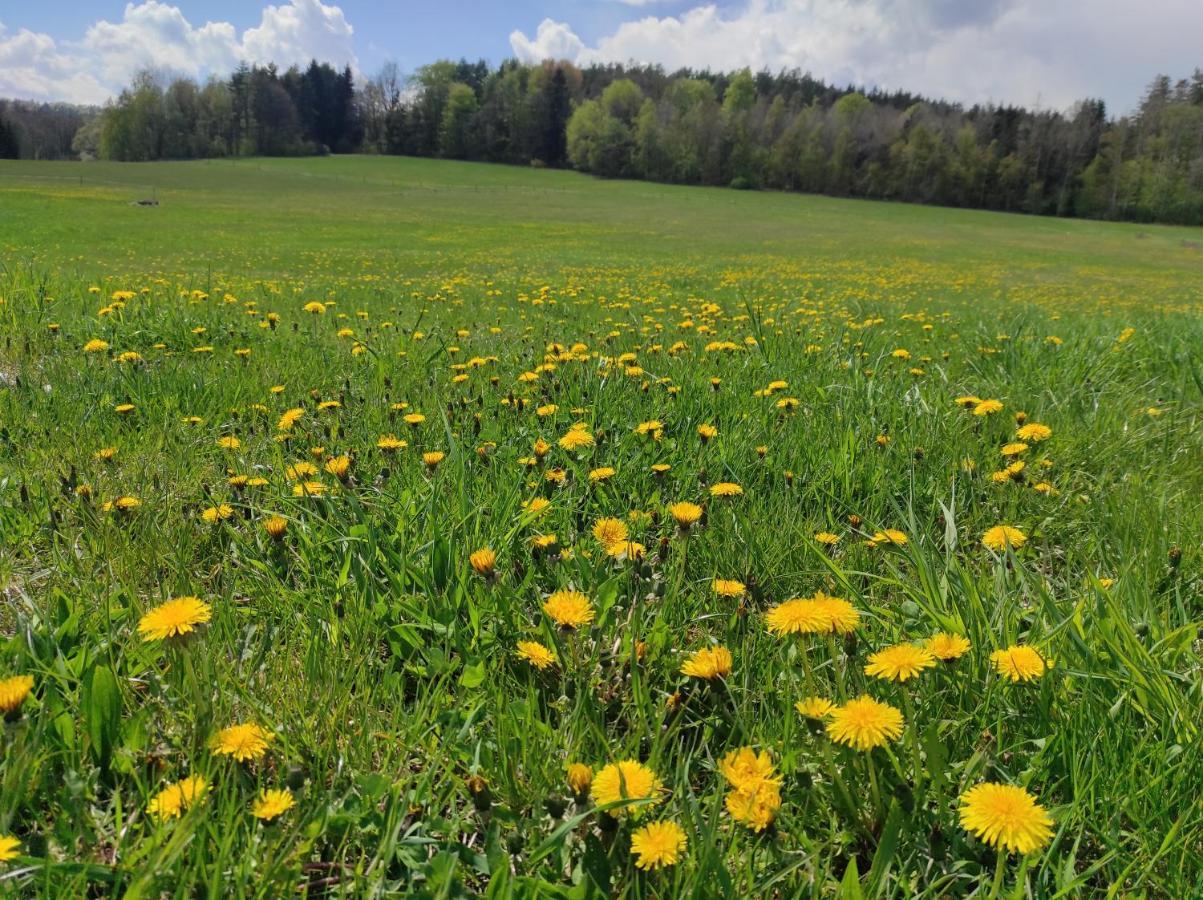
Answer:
(553, 40)
(1050, 52)
(157, 35)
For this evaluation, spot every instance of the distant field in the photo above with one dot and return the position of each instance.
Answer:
(345, 215)
(513, 512)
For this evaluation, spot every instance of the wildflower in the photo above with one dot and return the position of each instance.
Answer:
(708, 664)
(706, 432)
(1014, 449)
(124, 408)
(685, 513)
(413, 419)
(390, 444)
(272, 804)
(1020, 663)
(537, 505)
(1001, 537)
(244, 742)
(536, 654)
(729, 587)
(658, 844)
(580, 777)
(13, 692)
(174, 799)
(308, 489)
(748, 770)
(275, 526)
(9, 846)
(96, 345)
(987, 408)
(339, 467)
(814, 707)
(621, 550)
(214, 514)
(609, 531)
(947, 646)
(968, 402)
(576, 438)
(1034, 432)
(174, 618)
(725, 489)
(864, 723)
(315, 308)
(819, 614)
(755, 794)
(900, 662)
(626, 781)
(826, 538)
(569, 609)
(483, 561)
(300, 470)
(229, 442)
(889, 536)
(1006, 817)
(290, 419)
(433, 458)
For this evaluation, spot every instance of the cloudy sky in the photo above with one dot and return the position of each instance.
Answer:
(1046, 52)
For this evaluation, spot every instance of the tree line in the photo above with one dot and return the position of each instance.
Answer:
(784, 131)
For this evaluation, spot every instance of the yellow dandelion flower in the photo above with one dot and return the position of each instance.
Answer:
(685, 513)
(580, 777)
(246, 741)
(864, 723)
(1006, 817)
(176, 798)
(607, 531)
(575, 439)
(947, 646)
(814, 707)
(217, 513)
(1000, 537)
(628, 782)
(9, 847)
(729, 587)
(174, 618)
(272, 803)
(483, 561)
(569, 609)
(708, 663)
(536, 654)
(1034, 432)
(13, 692)
(658, 844)
(275, 526)
(900, 662)
(1020, 663)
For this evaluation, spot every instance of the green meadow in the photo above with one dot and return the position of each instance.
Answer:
(376, 527)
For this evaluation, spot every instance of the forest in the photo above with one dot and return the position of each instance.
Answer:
(783, 131)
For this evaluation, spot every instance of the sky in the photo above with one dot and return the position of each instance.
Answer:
(1045, 53)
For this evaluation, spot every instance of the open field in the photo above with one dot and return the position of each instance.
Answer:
(306, 392)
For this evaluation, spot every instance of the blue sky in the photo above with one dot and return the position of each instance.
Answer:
(1033, 52)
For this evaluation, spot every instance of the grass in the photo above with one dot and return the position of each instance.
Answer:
(424, 756)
